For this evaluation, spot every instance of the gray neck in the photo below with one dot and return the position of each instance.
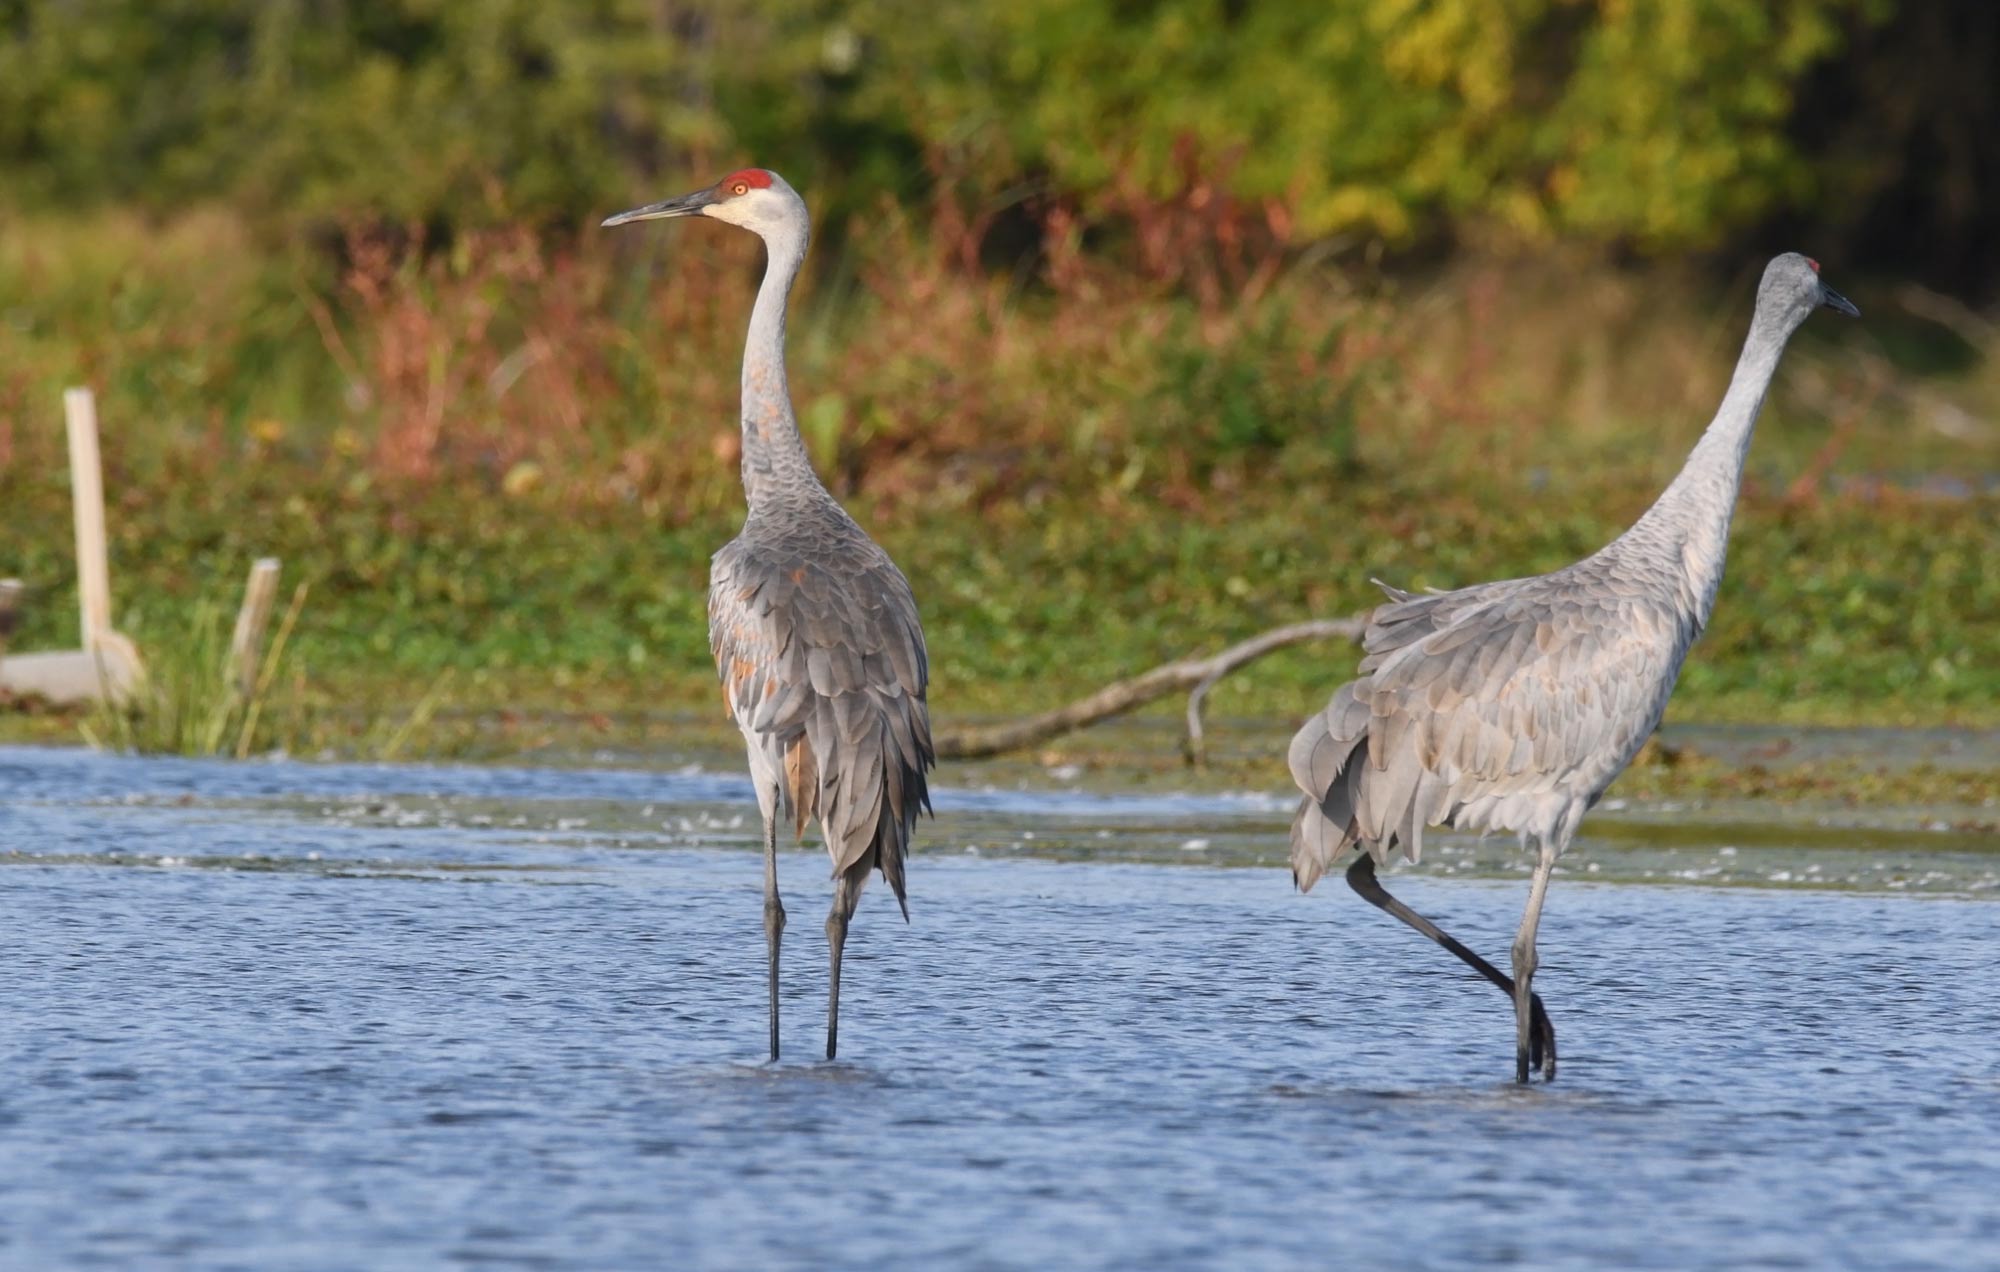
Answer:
(1689, 526)
(775, 466)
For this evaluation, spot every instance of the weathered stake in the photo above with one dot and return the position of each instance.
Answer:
(86, 483)
(246, 644)
(108, 665)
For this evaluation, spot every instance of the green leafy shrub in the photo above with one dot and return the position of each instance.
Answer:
(1666, 123)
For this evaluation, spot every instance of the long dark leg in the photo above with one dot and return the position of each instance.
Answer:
(1524, 968)
(774, 917)
(1361, 877)
(846, 891)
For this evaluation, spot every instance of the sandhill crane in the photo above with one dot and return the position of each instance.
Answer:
(1511, 706)
(814, 629)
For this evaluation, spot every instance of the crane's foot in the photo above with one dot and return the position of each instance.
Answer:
(1540, 1053)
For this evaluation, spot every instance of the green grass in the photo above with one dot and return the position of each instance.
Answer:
(189, 700)
(1078, 485)
(1842, 613)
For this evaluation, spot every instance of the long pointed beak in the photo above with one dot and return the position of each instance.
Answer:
(686, 205)
(1834, 300)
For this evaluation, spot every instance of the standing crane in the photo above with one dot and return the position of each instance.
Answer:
(1511, 706)
(814, 629)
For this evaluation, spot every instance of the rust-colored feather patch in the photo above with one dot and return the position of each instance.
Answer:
(802, 781)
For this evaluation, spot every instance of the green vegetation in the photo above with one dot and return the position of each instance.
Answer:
(1665, 122)
(1080, 485)
(1131, 330)
(190, 701)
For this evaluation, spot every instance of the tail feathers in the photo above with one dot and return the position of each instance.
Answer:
(868, 796)
(1356, 794)
(1327, 757)
(892, 872)
(1316, 842)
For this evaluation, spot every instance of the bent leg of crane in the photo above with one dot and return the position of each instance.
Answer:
(774, 917)
(1524, 969)
(846, 892)
(1361, 878)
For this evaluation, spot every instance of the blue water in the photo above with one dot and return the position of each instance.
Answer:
(279, 1015)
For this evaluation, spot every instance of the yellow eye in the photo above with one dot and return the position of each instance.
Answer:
(739, 188)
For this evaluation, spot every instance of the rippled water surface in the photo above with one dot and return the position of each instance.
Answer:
(279, 1015)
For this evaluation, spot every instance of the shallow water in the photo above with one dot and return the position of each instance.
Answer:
(334, 1016)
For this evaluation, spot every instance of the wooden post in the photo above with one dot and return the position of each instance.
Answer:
(108, 665)
(86, 483)
(246, 645)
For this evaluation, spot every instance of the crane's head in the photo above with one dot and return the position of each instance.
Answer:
(1792, 287)
(755, 198)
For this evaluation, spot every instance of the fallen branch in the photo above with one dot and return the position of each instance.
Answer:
(1256, 647)
(1196, 674)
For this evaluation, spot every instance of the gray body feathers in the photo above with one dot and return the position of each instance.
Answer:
(815, 635)
(1507, 706)
(813, 628)
(1512, 706)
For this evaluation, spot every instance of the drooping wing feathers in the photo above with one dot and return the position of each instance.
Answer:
(1506, 706)
(822, 658)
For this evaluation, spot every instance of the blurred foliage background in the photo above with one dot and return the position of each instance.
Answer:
(1662, 126)
(1131, 326)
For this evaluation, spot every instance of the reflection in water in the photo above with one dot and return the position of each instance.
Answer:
(278, 1015)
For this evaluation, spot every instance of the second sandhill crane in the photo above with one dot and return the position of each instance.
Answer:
(1511, 706)
(813, 627)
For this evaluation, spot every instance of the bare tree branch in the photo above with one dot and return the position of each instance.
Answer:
(1198, 674)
